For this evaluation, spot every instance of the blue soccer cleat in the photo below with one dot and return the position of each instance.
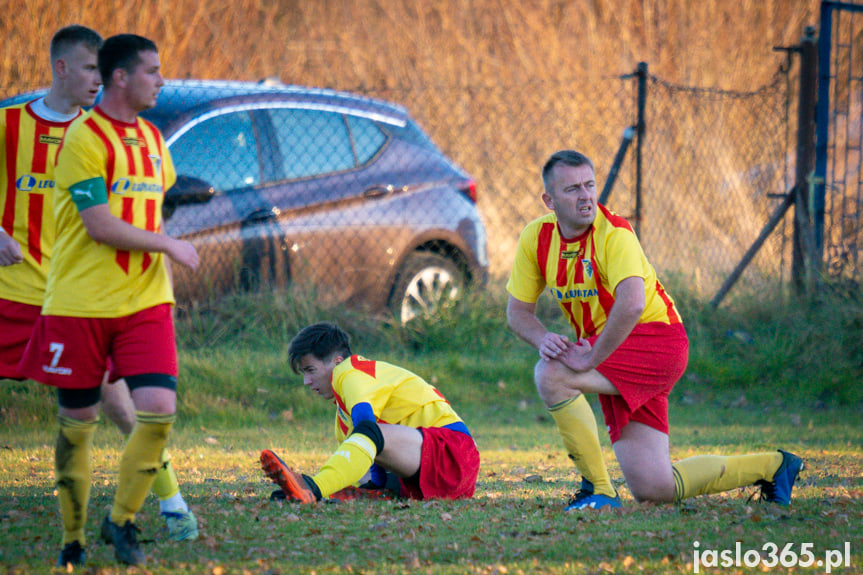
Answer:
(585, 498)
(124, 540)
(182, 525)
(72, 555)
(779, 490)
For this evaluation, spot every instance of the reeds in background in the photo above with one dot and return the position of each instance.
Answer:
(499, 86)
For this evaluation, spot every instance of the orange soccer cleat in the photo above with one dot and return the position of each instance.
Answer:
(291, 482)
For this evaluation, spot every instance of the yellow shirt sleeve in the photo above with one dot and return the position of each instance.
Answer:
(625, 258)
(79, 160)
(526, 283)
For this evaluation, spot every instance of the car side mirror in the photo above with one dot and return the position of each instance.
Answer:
(186, 190)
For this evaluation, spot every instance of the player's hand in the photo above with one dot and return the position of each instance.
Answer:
(578, 356)
(552, 345)
(184, 254)
(10, 250)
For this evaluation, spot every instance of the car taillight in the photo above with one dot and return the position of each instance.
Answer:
(468, 188)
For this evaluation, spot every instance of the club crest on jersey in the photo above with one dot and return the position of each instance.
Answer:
(588, 268)
(156, 161)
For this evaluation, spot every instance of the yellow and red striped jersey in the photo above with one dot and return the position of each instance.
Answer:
(395, 394)
(89, 279)
(28, 150)
(582, 273)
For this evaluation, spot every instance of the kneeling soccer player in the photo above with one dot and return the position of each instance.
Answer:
(388, 420)
(631, 349)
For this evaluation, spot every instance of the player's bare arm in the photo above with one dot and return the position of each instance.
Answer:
(522, 320)
(104, 227)
(10, 250)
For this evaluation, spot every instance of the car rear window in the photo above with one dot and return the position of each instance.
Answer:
(312, 142)
(368, 138)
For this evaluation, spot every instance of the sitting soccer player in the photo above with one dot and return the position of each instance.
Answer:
(387, 418)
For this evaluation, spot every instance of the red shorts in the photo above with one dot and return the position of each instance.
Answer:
(74, 352)
(449, 465)
(644, 369)
(16, 327)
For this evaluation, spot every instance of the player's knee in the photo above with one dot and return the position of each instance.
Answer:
(371, 430)
(550, 381)
(645, 490)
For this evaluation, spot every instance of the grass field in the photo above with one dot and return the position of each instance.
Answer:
(515, 524)
(238, 397)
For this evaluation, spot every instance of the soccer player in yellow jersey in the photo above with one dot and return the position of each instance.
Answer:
(387, 420)
(108, 295)
(30, 136)
(630, 348)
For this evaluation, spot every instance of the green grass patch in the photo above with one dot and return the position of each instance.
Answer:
(762, 375)
(514, 524)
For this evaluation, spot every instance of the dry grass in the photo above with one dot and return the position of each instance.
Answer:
(387, 43)
(499, 85)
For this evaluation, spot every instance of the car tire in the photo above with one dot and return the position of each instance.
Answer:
(425, 282)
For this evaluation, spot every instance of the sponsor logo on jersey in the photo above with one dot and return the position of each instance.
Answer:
(570, 254)
(26, 183)
(132, 141)
(574, 294)
(123, 185)
(49, 139)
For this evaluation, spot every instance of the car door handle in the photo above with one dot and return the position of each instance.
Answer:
(262, 215)
(377, 191)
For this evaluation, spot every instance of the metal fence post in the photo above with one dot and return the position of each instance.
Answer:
(806, 260)
(639, 128)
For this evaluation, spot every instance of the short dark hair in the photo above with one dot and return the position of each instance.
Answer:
(567, 158)
(122, 51)
(68, 37)
(322, 340)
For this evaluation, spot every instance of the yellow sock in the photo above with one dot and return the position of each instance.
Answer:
(577, 426)
(72, 472)
(165, 485)
(347, 465)
(139, 463)
(705, 474)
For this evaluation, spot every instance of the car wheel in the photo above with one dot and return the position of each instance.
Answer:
(426, 282)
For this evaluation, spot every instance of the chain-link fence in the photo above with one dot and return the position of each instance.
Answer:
(714, 163)
(502, 134)
(838, 190)
(281, 184)
(717, 163)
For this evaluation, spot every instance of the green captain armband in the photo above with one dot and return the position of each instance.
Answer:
(89, 193)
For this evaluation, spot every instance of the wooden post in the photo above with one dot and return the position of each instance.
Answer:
(806, 260)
